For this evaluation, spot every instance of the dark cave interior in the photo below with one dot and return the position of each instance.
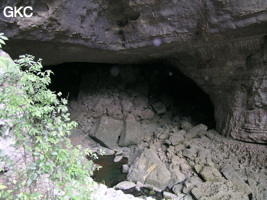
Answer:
(163, 79)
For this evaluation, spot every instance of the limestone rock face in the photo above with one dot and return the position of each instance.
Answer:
(62, 31)
(149, 169)
(220, 44)
(236, 83)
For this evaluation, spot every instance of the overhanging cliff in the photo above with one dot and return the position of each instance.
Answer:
(221, 45)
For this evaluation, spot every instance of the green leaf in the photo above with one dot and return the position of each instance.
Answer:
(2, 187)
(40, 122)
(4, 38)
(2, 42)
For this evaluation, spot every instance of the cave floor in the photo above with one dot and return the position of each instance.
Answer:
(169, 118)
(247, 161)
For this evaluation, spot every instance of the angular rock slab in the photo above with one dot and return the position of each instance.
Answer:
(209, 173)
(196, 131)
(125, 185)
(150, 170)
(107, 131)
(176, 176)
(159, 108)
(217, 190)
(176, 138)
(231, 175)
(132, 132)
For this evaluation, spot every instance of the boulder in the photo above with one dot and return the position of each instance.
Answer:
(149, 169)
(125, 185)
(177, 189)
(125, 168)
(188, 197)
(159, 108)
(126, 105)
(191, 183)
(132, 133)
(209, 173)
(190, 153)
(107, 131)
(176, 176)
(176, 138)
(141, 102)
(196, 131)
(143, 114)
(218, 190)
(185, 125)
(181, 197)
(118, 158)
(231, 175)
(198, 168)
(168, 195)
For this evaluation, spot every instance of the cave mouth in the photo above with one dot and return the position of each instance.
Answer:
(163, 81)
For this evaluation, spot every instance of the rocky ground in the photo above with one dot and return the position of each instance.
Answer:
(166, 151)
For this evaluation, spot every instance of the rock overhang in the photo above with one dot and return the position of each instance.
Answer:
(201, 38)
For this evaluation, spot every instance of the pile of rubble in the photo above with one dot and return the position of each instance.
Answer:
(166, 151)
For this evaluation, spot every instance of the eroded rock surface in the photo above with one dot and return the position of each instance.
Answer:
(235, 79)
(220, 44)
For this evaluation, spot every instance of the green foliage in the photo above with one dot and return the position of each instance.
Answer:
(39, 121)
(2, 39)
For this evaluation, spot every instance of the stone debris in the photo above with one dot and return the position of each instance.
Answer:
(231, 175)
(196, 131)
(141, 102)
(218, 190)
(125, 168)
(107, 130)
(126, 105)
(103, 192)
(198, 168)
(132, 133)
(189, 153)
(118, 158)
(125, 185)
(190, 183)
(186, 125)
(180, 197)
(149, 169)
(176, 138)
(159, 108)
(209, 174)
(188, 197)
(176, 176)
(177, 189)
(139, 185)
(164, 148)
(168, 195)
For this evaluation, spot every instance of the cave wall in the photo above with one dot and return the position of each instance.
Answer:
(220, 40)
(236, 80)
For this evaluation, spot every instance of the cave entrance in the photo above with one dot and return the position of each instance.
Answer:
(158, 81)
